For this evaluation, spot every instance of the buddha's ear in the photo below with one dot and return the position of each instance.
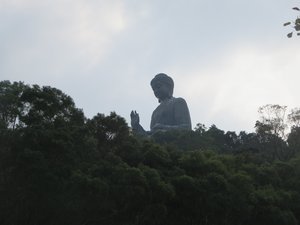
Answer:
(170, 92)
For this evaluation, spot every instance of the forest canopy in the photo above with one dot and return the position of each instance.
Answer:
(59, 167)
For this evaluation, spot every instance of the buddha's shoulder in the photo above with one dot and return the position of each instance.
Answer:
(179, 100)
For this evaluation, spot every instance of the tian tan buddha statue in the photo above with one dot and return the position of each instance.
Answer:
(172, 113)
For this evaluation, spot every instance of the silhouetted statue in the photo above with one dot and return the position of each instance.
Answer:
(172, 113)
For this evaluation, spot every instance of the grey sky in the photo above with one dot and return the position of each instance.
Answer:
(227, 58)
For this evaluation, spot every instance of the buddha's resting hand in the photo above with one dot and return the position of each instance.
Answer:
(159, 126)
(135, 119)
(163, 127)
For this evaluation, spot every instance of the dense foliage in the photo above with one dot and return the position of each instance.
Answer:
(295, 24)
(57, 167)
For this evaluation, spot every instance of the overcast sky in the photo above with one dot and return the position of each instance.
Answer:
(227, 57)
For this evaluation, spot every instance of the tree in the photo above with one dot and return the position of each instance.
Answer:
(293, 139)
(294, 117)
(47, 106)
(108, 130)
(272, 120)
(56, 167)
(38, 150)
(295, 24)
(10, 104)
(272, 130)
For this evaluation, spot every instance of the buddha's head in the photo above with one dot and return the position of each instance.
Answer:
(162, 86)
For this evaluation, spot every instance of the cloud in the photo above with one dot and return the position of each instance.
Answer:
(57, 36)
(225, 62)
(229, 92)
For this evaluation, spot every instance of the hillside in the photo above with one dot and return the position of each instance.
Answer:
(59, 167)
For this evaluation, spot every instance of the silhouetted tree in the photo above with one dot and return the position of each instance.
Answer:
(57, 167)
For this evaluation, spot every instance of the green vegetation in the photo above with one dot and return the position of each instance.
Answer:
(295, 25)
(57, 167)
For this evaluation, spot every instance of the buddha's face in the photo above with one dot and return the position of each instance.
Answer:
(161, 90)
